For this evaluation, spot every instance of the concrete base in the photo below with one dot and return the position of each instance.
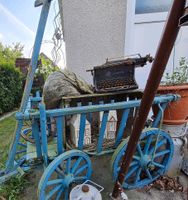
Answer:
(177, 132)
(102, 175)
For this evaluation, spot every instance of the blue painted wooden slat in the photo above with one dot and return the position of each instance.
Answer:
(82, 131)
(90, 114)
(35, 130)
(102, 131)
(60, 132)
(96, 108)
(43, 133)
(122, 126)
(49, 120)
(159, 115)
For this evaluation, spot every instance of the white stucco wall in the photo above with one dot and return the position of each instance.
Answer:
(93, 31)
(98, 29)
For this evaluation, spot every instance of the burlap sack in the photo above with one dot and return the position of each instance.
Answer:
(62, 84)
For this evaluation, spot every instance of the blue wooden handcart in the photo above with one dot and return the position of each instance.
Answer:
(65, 167)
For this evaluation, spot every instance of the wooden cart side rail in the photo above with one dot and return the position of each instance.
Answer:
(95, 108)
(60, 114)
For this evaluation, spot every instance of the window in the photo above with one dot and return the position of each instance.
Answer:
(152, 6)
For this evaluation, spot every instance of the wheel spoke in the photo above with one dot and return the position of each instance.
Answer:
(52, 192)
(55, 182)
(147, 145)
(137, 178)
(148, 173)
(60, 172)
(66, 195)
(133, 163)
(136, 157)
(76, 164)
(59, 193)
(158, 165)
(22, 145)
(81, 169)
(161, 153)
(131, 172)
(148, 161)
(159, 144)
(68, 165)
(21, 151)
(57, 179)
(139, 150)
(81, 178)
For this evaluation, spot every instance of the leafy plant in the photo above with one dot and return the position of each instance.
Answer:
(179, 75)
(13, 187)
(47, 66)
(8, 54)
(10, 87)
(10, 77)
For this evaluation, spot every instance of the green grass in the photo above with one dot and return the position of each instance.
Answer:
(7, 127)
(13, 187)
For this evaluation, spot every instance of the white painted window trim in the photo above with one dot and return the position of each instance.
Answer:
(129, 27)
(150, 18)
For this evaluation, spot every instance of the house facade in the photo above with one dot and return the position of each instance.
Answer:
(98, 29)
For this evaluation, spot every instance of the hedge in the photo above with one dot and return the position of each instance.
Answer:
(10, 87)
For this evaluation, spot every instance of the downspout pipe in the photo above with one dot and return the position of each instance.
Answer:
(161, 58)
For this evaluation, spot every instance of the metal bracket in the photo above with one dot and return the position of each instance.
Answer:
(38, 3)
(184, 19)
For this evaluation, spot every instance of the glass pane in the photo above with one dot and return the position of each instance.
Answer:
(152, 6)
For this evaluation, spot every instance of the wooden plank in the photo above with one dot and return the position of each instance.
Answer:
(106, 97)
(130, 92)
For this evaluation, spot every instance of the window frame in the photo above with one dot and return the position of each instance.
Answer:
(150, 17)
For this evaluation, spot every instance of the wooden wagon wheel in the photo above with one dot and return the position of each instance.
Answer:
(25, 134)
(151, 160)
(71, 167)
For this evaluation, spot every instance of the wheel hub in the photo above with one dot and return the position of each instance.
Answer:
(145, 161)
(68, 180)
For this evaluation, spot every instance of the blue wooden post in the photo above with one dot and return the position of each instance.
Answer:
(10, 161)
(122, 126)
(29, 81)
(36, 134)
(82, 131)
(60, 133)
(102, 131)
(35, 54)
(90, 114)
(43, 133)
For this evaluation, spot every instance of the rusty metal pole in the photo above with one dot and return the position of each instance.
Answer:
(161, 58)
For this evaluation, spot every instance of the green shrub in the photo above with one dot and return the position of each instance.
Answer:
(10, 87)
(179, 74)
